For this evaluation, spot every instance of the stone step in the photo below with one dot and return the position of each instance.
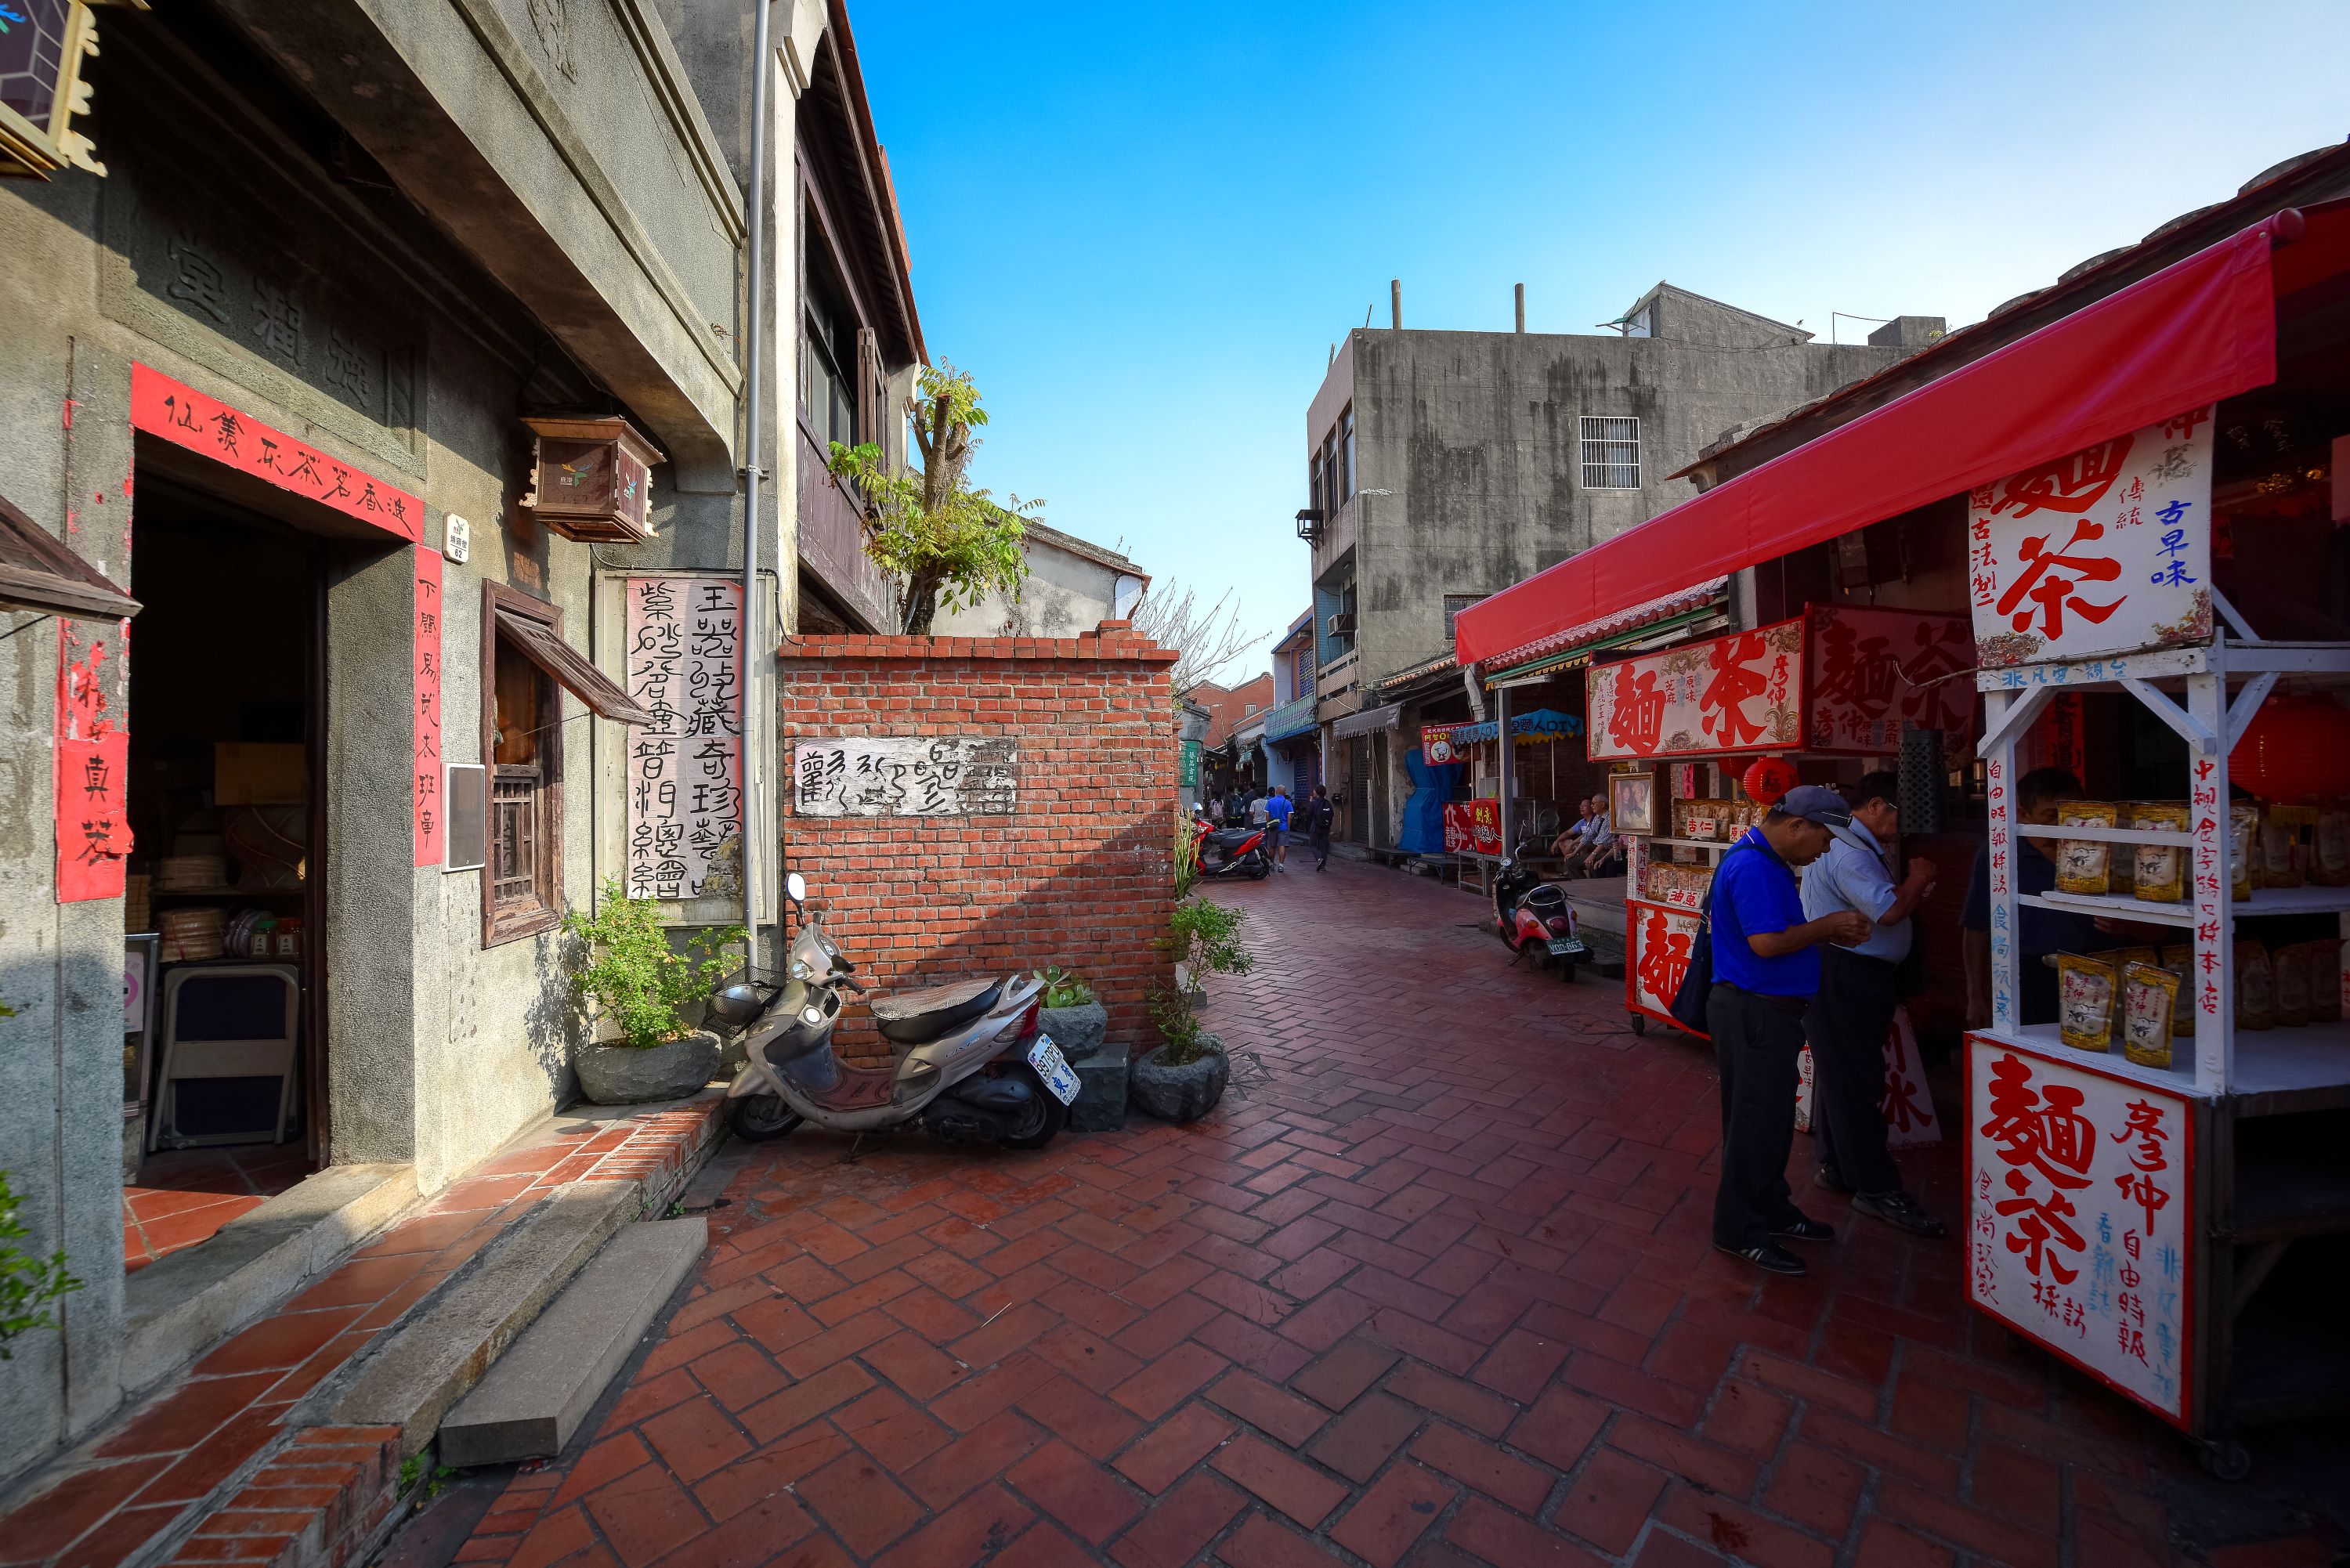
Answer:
(437, 1356)
(535, 1396)
(1101, 1091)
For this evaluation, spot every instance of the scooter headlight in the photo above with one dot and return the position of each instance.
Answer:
(799, 970)
(811, 1014)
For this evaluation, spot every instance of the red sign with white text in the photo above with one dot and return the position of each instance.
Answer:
(1870, 672)
(186, 417)
(430, 826)
(1473, 827)
(93, 764)
(1657, 941)
(1740, 692)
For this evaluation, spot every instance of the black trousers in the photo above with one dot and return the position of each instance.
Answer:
(1320, 838)
(1846, 1027)
(1756, 1042)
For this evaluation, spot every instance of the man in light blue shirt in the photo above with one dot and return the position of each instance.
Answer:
(1860, 989)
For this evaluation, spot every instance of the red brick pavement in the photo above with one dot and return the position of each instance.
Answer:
(1433, 1286)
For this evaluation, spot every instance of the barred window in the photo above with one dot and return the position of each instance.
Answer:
(1611, 452)
(1453, 604)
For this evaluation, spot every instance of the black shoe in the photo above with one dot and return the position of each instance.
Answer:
(1899, 1208)
(1804, 1228)
(1768, 1257)
(1830, 1178)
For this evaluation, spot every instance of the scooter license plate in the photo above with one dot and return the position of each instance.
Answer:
(1564, 947)
(1055, 1069)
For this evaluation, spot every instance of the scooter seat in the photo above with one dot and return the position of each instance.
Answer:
(909, 1017)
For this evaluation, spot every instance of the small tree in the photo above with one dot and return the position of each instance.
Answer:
(951, 544)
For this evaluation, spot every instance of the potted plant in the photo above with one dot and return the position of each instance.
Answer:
(636, 982)
(1183, 1079)
(1073, 1016)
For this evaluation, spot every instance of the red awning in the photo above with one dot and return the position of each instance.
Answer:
(2200, 330)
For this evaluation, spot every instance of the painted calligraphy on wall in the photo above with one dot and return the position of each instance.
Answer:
(2079, 1190)
(92, 761)
(907, 776)
(1739, 693)
(432, 829)
(2104, 551)
(684, 665)
(1870, 672)
(1473, 827)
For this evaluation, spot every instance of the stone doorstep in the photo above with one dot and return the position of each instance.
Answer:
(1100, 1104)
(535, 1396)
(179, 1306)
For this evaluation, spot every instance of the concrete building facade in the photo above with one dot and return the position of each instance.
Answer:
(1444, 466)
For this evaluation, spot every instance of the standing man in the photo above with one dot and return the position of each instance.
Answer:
(1318, 814)
(1276, 829)
(1765, 972)
(1858, 992)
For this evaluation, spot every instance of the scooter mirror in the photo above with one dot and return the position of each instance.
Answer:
(795, 887)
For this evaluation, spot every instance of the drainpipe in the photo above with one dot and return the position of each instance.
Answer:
(762, 68)
(1508, 768)
(1395, 303)
(1521, 308)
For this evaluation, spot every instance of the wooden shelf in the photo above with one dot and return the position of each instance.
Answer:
(2265, 901)
(1694, 843)
(2301, 1063)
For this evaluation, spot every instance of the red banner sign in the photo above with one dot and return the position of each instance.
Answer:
(1656, 957)
(1473, 827)
(186, 417)
(430, 826)
(1869, 672)
(1740, 692)
(93, 764)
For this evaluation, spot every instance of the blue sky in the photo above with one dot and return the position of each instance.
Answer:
(1142, 228)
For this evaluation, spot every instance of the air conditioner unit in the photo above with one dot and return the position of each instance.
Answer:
(1342, 625)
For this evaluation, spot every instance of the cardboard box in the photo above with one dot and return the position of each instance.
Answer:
(249, 773)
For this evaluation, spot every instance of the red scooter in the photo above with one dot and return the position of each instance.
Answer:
(1232, 851)
(1534, 919)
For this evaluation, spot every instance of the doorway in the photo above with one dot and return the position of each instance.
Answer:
(224, 904)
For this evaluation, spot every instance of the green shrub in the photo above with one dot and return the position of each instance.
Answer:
(1063, 987)
(27, 1284)
(634, 976)
(1203, 937)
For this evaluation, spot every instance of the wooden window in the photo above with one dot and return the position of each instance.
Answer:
(522, 711)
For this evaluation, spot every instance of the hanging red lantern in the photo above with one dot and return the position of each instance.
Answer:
(1768, 778)
(2294, 747)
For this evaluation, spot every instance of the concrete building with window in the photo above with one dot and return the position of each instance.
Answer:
(1443, 466)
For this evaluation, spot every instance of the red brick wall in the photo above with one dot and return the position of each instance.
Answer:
(1077, 875)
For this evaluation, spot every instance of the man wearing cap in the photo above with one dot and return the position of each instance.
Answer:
(1766, 969)
(1854, 1011)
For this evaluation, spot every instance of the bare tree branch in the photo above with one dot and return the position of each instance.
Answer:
(1208, 638)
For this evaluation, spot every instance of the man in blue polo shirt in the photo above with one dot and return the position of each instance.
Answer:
(1765, 972)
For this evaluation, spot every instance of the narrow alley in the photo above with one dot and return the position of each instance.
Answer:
(1433, 1286)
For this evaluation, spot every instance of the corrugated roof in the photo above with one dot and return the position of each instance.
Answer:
(1661, 608)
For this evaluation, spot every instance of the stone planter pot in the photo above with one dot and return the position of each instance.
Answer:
(1078, 1030)
(1182, 1094)
(624, 1075)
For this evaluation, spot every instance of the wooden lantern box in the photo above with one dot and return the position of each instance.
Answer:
(590, 478)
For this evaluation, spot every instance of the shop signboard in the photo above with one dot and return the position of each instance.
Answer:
(1440, 743)
(1473, 827)
(1656, 956)
(684, 663)
(1188, 765)
(2079, 1210)
(1740, 692)
(1905, 1105)
(432, 825)
(1871, 671)
(2108, 550)
(92, 753)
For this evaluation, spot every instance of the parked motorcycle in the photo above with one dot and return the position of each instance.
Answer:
(1534, 919)
(967, 1059)
(1233, 852)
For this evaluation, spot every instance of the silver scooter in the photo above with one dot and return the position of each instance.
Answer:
(967, 1061)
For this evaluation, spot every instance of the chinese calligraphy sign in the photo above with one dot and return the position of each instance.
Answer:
(1656, 956)
(93, 762)
(1871, 671)
(432, 829)
(1738, 692)
(162, 408)
(907, 776)
(685, 768)
(1906, 1104)
(2079, 1187)
(2104, 551)
(1473, 827)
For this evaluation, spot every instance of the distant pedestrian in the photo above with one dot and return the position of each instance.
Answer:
(1277, 811)
(1860, 989)
(1256, 811)
(1319, 814)
(1766, 973)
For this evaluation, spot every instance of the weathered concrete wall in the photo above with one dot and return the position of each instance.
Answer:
(1066, 592)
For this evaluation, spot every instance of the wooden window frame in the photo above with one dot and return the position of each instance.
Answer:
(512, 923)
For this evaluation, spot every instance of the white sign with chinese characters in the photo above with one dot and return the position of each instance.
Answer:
(2079, 1193)
(685, 768)
(2105, 551)
(907, 776)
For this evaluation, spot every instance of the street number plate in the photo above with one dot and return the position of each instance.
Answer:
(1055, 1069)
(1562, 946)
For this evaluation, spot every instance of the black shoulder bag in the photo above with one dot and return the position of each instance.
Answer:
(1697, 984)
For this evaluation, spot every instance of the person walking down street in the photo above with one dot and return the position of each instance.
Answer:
(1277, 810)
(1854, 1013)
(1765, 972)
(1319, 813)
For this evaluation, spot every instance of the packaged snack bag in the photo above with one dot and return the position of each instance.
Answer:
(2255, 988)
(2149, 998)
(2243, 832)
(2120, 958)
(2084, 864)
(2158, 871)
(2325, 980)
(2280, 852)
(2288, 978)
(2329, 856)
(2084, 1002)
(2121, 860)
(2180, 961)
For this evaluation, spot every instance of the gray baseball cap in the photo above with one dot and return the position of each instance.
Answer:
(1817, 802)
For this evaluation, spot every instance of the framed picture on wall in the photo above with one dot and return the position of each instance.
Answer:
(1632, 803)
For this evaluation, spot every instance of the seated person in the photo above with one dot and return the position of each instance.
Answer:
(1605, 852)
(1570, 842)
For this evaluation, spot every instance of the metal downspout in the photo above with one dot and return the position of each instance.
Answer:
(761, 69)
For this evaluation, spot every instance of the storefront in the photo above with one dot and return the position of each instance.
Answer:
(2134, 514)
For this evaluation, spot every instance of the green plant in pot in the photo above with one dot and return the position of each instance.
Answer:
(638, 983)
(1073, 1015)
(1184, 1078)
(29, 1285)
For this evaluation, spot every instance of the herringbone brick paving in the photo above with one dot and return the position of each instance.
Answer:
(1433, 1286)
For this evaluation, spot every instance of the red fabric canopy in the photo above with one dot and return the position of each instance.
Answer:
(2203, 329)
